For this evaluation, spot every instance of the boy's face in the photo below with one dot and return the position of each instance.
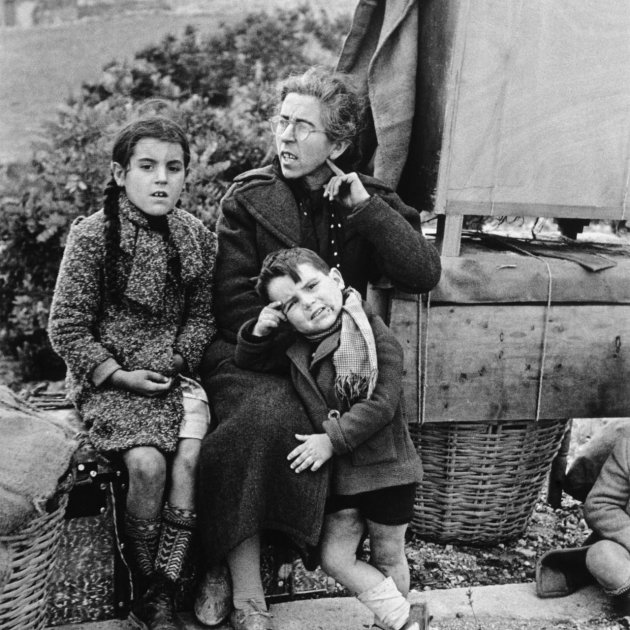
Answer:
(313, 304)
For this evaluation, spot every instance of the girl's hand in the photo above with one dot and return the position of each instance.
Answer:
(315, 450)
(179, 363)
(269, 319)
(345, 188)
(145, 382)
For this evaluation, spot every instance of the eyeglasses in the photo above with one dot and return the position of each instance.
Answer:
(301, 129)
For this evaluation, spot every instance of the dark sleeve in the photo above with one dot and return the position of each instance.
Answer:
(199, 327)
(236, 300)
(366, 417)
(607, 502)
(402, 254)
(261, 354)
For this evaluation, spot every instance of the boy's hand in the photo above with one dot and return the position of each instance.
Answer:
(145, 382)
(269, 319)
(315, 450)
(346, 188)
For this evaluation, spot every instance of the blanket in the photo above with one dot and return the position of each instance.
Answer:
(35, 453)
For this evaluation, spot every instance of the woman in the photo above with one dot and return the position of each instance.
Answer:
(355, 223)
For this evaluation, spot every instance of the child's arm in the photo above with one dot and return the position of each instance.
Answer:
(269, 320)
(607, 502)
(262, 352)
(198, 328)
(76, 303)
(366, 417)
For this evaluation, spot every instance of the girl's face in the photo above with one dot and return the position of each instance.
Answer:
(154, 177)
(306, 158)
(311, 305)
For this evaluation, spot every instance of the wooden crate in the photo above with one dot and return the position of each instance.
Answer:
(481, 358)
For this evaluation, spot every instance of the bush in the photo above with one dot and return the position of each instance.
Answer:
(217, 87)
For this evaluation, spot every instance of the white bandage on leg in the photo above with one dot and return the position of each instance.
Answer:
(387, 603)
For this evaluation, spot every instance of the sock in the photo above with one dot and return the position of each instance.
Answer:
(177, 532)
(387, 603)
(244, 563)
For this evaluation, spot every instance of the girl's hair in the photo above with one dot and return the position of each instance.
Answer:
(156, 127)
(285, 263)
(342, 106)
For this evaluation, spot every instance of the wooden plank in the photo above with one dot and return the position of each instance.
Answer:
(483, 362)
(536, 119)
(518, 209)
(449, 234)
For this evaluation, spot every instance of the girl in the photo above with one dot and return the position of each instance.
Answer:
(131, 314)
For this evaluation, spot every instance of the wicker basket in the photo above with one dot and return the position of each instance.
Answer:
(481, 480)
(33, 552)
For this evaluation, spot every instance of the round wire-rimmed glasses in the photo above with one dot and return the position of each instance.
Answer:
(301, 129)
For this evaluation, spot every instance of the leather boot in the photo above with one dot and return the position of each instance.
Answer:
(156, 610)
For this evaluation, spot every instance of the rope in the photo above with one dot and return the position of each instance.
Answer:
(422, 371)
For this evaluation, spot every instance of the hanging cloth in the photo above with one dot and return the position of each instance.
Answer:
(381, 51)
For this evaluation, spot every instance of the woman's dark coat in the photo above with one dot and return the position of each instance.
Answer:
(245, 483)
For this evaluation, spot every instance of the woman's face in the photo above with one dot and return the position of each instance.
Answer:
(305, 158)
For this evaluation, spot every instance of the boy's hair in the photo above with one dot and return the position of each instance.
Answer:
(157, 127)
(285, 262)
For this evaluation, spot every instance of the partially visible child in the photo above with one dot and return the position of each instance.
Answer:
(347, 368)
(607, 511)
(131, 315)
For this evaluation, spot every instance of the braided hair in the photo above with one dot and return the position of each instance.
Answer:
(155, 127)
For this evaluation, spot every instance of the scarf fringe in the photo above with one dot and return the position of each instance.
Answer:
(352, 387)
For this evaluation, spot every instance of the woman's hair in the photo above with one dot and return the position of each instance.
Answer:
(342, 105)
(285, 263)
(157, 127)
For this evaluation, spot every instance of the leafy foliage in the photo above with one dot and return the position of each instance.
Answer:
(217, 87)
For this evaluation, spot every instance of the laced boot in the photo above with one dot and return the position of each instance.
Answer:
(156, 609)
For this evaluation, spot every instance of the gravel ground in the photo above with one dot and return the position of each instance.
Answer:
(83, 583)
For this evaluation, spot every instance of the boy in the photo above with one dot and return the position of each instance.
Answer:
(607, 511)
(347, 368)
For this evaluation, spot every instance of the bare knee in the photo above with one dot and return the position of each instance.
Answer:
(604, 554)
(147, 468)
(387, 547)
(386, 557)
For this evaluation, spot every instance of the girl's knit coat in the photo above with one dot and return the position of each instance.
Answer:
(166, 309)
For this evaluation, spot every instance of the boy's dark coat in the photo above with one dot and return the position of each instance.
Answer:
(371, 441)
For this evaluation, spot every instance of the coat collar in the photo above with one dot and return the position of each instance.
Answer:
(270, 200)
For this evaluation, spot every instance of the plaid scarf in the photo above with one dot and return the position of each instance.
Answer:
(355, 361)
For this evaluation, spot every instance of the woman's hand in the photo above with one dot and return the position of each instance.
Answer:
(269, 319)
(315, 450)
(145, 382)
(345, 188)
